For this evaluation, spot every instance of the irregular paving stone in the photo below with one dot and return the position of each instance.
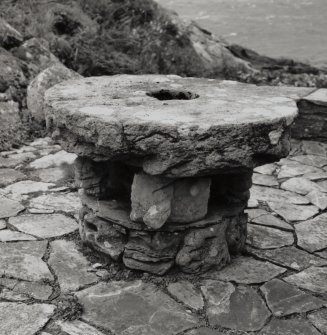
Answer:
(9, 176)
(288, 327)
(239, 308)
(70, 266)
(319, 320)
(9, 207)
(12, 296)
(284, 299)
(50, 175)
(255, 213)
(252, 203)
(77, 327)
(313, 279)
(294, 169)
(323, 184)
(68, 202)
(247, 270)
(314, 148)
(58, 159)
(319, 175)
(7, 235)
(44, 225)
(16, 159)
(300, 185)
(290, 257)
(267, 169)
(28, 186)
(204, 331)
(23, 260)
(36, 290)
(291, 212)
(312, 234)
(268, 238)
(318, 198)
(262, 193)
(272, 221)
(316, 161)
(264, 180)
(186, 292)
(3, 224)
(322, 254)
(24, 319)
(134, 308)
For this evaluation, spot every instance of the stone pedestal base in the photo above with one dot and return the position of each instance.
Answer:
(152, 223)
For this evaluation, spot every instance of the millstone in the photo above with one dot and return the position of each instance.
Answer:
(165, 163)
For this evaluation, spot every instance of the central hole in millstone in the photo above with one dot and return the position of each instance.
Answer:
(172, 95)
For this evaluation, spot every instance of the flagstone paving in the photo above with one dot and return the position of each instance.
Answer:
(50, 285)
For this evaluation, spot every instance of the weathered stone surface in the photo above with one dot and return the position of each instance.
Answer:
(288, 327)
(204, 331)
(72, 273)
(9, 36)
(313, 279)
(67, 202)
(290, 257)
(43, 225)
(236, 234)
(203, 249)
(134, 308)
(322, 254)
(77, 327)
(291, 168)
(292, 213)
(255, 213)
(300, 185)
(319, 320)
(318, 198)
(9, 176)
(312, 234)
(267, 169)
(170, 139)
(9, 207)
(313, 160)
(262, 193)
(314, 148)
(23, 319)
(7, 235)
(270, 220)
(3, 224)
(239, 308)
(264, 180)
(28, 186)
(316, 176)
(58, 159)
(247, 270)
(23, 260)
(186, 292)
(43, 81)
(50, 175)
(151, 252)
(284, 299)
(16, 159)
(268, 238)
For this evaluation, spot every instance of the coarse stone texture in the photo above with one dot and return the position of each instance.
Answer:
(268, 238)
(313, 279)
(247, 270)
(313, 160)
(293, 213)
(264, 180)
(314, 148)
(145, 309)
(262, 193)
(77, 327)
(255, 213)
(284, 299)
(67, 202)
(316, 176)
(175, 139)
(300, 185)
(288, 327)
(204, 331)
(9, 176)
(3, 224)
(23, 260)
(43, 81)
(28, 186)
(186, 292)
(60, 158)
(50, 175)
(319, 320)
(239, 308)
(7, 235)
(318, 199)
(9, 36)
(70, 266)
(16, 159)
(267, 169)
(312, 234)
(323, 184)
(43, 225)
(322, 254)
(291, 168)
(9, 207)
(290, 257)
(270, 220)
(23, 319)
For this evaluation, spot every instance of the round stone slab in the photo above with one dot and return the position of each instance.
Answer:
(172, 126)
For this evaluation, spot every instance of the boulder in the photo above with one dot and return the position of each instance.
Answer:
(9, 36)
